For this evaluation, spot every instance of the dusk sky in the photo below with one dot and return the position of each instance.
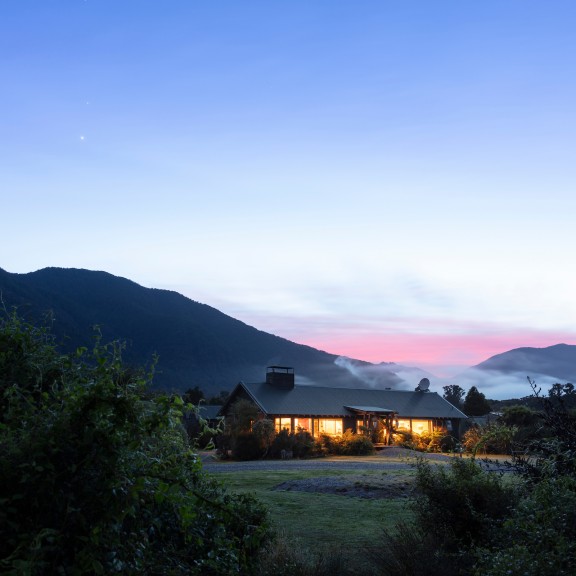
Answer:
(387, 180)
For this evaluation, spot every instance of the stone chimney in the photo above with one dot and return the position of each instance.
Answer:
(281, 377)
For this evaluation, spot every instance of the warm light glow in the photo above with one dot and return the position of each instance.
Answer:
(420, 426)
(283, 424)
(329, 426)
(414, 426)
(302, 424)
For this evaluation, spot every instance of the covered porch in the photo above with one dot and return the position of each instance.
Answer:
(376, 421)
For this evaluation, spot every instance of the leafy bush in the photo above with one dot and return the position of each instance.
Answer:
(539, 539)
(265, 433)
(243, 414)
(97, 476)
(356, 444)
(473, 522)
(283, 443)
(328, 444)
(554, 454)
(404, 439)
(493, 438)
(429, 441)
(304, 445)
(519, 415)
(462, 502)
(448, 443)
(282, 558)
(298, 445)
(246, 446)
(410, 551)
(348, 444)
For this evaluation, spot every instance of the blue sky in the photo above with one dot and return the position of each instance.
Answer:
(392, 181)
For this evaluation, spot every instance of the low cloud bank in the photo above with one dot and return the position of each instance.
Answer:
(384, 375)
(496, 385)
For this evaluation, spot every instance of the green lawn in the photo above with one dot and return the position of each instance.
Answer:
(324, 521)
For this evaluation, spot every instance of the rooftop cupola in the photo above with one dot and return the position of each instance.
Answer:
(281, 377)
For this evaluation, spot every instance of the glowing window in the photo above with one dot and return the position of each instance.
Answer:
(330, 427)
(302, 423)
(420, 426)
(403, 425)
(283, 424)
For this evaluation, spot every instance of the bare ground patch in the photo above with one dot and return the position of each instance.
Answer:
(355, 486)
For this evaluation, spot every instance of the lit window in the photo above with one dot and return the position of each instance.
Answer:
(420, 426)
(403, 425)
(330, 427)
(282, 424)
(302, 424)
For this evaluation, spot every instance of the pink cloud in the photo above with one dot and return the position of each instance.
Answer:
(437, 345)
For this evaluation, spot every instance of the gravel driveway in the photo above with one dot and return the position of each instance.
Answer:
(392, 458)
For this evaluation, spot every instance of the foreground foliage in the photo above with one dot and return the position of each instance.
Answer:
(96, 477)
(471, 521)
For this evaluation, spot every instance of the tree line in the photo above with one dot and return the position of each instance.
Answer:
(472, 403)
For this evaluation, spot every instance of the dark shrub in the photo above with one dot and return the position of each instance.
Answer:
(519, 415)
(282, 558)
(283, 444)
(304, 445)
(410, 551)
(97, 475)
(462, 502)
(540, 537)
(448, 443)
(265, 433)
(246, 447)
(328, 444)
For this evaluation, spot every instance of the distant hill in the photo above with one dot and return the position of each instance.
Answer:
(510, 371)
(558, 361)
(197, 344)
(200, 346)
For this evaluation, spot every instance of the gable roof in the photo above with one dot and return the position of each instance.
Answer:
(338, 402)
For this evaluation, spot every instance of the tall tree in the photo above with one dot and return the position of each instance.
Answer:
(193, 396)
(475, 403)
(454, 394)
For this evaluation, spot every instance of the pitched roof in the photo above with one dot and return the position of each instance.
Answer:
(337, 402)
(209, 412)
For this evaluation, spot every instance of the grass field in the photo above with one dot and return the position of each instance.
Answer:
(326, 522)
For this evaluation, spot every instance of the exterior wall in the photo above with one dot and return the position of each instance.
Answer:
(349, 423)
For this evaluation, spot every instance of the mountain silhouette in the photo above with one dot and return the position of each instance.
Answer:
(558, 361)
(196, 344)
